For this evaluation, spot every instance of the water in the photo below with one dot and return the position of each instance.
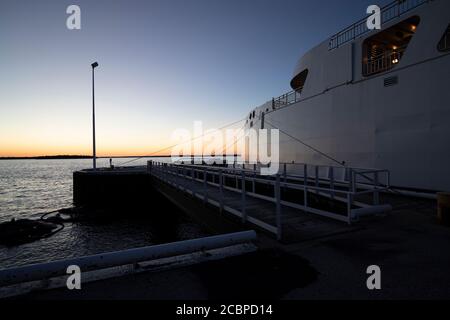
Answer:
(29, 188)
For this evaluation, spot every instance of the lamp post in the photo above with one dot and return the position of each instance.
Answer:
(94, 158)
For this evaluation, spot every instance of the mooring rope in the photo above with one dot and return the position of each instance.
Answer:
(181, 143)
(341, 163)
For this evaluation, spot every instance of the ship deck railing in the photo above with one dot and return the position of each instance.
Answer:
(269, 202)
(383, 62)
(286, 99)
(389, 12)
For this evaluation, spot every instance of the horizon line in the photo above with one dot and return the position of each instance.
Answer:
(80, 156)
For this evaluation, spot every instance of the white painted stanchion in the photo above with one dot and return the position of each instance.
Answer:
(278, 206)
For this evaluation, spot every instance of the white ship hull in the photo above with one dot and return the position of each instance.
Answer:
(360, 120)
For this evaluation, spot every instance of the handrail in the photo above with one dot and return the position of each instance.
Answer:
(357, 182)
(286, 99)
(359, 28)
(250, 167)
(383, 62)
(362, 178)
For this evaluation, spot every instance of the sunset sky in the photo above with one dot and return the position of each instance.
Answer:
(163, 65)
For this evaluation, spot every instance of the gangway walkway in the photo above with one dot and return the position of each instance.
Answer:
(277, 203)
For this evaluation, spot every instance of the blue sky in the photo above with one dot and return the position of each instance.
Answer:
(163, 65)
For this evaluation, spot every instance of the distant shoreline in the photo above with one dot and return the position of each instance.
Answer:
(65, 157)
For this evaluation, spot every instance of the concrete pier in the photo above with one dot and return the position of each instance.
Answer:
(131, 190)
(112, 188)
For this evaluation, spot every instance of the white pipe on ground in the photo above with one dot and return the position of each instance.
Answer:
(105, 260)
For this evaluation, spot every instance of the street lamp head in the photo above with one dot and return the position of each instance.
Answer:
(94, 65)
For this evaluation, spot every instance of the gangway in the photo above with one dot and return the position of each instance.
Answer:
(275, 203)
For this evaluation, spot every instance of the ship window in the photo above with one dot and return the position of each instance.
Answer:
(299, 81)
(384, 50)
(444, 44)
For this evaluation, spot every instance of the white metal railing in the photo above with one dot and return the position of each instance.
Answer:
(356, 182)
(383, 62)
(359, 28)
(286, 99)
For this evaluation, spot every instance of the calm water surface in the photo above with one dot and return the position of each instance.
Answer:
(29, 188)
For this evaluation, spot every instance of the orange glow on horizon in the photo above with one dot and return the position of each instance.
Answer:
(80, 152)
(37, 151)
(41, 143)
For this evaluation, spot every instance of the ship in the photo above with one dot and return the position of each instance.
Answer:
(372, 99)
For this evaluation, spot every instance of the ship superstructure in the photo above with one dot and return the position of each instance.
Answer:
(373, 99)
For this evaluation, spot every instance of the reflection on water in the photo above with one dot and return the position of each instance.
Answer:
(29, 188)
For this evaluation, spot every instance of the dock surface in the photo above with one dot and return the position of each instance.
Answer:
(408, 245)
(326, 259)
